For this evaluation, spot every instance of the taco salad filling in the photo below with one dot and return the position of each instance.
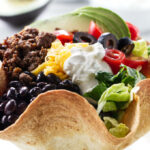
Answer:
(102, 66)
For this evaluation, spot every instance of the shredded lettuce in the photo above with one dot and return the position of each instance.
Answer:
(115, 128)
(126, 75)
(130, 77)
(140, 49)
(112, 94)
(116, 93)
(110, 106)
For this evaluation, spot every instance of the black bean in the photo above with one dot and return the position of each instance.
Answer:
(12, 93)
(4, 97)
(1, 99)
(21, 107)
(52, 78)
(49, 87)
(66, 84)
(41, 84)
(35, 91)
(2, 105)
(12, 118)
(15, 84)
(4, 119)
(32, 99)
(75, 88)
(23, 91)
(10, 107)
(32, 84)
(41, 77)
(18, 98)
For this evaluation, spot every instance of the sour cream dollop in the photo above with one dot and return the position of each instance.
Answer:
(83, 63)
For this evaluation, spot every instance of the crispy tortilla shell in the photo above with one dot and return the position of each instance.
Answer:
(63, 120)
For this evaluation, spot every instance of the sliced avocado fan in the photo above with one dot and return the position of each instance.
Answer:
(107, 21)
(112, 22)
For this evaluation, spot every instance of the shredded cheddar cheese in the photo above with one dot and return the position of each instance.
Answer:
(55, 59)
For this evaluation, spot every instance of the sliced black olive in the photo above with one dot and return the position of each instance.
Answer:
(108, 40)
(81, 37)
(126, 45)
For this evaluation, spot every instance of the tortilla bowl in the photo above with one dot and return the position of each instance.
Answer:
(60, 119)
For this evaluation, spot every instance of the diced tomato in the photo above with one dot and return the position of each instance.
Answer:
(146, 70)
(64, 36)
(114, 58)
(94, 30)
(135, 62)
(133, 30)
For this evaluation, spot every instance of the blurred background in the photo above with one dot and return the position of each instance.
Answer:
(134, 11)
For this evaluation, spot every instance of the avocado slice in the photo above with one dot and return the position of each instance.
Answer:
(113, 21)
(104, 24)
(69, 22)
(80, 19)
(19, 12)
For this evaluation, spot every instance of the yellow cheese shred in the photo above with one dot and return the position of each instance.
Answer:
(55, 59)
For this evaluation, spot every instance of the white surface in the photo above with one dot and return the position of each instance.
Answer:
(141, 144)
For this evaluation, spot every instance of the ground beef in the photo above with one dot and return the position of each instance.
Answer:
(2, 50)
(25, 78)
(24, 51)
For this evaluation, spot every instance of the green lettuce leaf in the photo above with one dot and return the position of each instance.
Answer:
(116, 93)
(135, 74)
(110, 106)
(96, 92)
(126, 75)
(140, 49)
(117, 129)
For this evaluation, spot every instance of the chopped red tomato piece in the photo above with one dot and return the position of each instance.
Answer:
(114, 58)
(94, 30)
(133, 30)
(146, 70)
(64, 36)
(135, 62)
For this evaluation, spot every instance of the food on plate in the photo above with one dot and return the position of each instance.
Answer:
(77, 78)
